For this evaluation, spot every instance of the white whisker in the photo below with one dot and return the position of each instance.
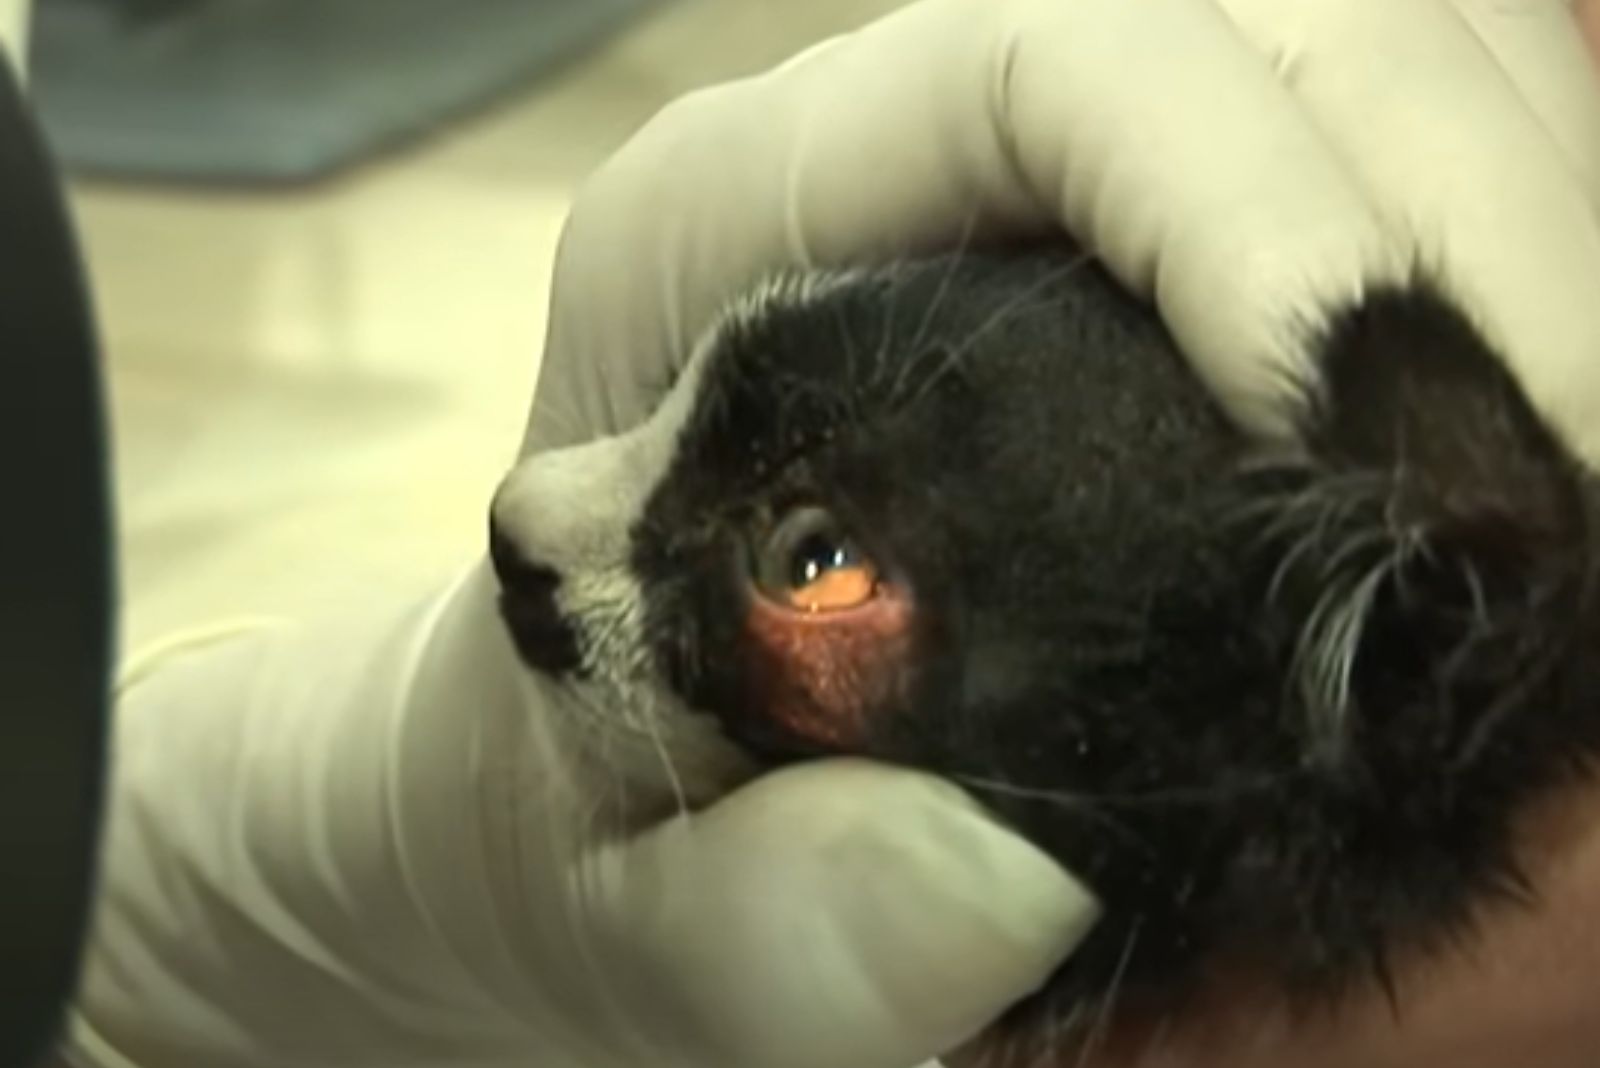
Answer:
(1108, 1005)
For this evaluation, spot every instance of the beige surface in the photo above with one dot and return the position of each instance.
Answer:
(315, 392)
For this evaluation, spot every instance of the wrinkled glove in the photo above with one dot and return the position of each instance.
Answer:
(379, 841)
(1242, 163)
(374, 842)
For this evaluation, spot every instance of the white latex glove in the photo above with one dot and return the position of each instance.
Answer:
(1244, 163)
(14, 33)
(374, 843)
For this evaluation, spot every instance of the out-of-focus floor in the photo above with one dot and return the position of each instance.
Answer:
(315, 392)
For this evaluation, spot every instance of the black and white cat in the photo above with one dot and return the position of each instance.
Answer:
(975, 515)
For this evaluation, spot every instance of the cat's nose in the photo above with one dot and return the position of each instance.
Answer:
(528, 603)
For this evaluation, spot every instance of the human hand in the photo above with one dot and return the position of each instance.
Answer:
(1244, 164)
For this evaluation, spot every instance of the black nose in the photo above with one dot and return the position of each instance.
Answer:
(528, 605)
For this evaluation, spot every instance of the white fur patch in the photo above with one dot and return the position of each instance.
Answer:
(575, 511)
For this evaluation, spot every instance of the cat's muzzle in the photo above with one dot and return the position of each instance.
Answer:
(531, 611)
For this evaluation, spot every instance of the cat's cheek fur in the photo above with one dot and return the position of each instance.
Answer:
(820, 678)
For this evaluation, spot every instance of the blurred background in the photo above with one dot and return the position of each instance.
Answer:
(320, 235)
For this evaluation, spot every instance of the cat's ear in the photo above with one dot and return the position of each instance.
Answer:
(1407, 384)
(1424, 547)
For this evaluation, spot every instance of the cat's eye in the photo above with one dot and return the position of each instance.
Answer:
(808, 563)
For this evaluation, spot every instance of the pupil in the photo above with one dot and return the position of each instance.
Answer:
(815, 557)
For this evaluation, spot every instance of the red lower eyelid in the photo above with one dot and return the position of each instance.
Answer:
(819, 675)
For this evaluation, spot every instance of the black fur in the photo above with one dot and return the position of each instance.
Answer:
(1125, 609)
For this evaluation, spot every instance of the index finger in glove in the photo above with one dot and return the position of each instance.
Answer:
(1200, 182)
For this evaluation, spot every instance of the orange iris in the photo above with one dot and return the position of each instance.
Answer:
(835, 588)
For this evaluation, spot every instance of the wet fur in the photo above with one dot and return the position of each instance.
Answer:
(1278, 709)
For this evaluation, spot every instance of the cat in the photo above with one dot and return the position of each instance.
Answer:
(1276, 704)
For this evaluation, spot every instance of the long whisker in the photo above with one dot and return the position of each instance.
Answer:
(1069, 799)
(1108, 1006)
(668, 765)
(969, 228)
(566, 422)
(1012, 307)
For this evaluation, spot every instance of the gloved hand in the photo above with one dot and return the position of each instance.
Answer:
(14, 33)
(1243, 163)
(374, 841)
(379, 841)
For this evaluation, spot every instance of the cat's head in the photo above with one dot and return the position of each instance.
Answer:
(975, 515)
(872, 503)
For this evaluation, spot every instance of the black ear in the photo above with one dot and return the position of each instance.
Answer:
(1435, 534)
(1409, 385)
